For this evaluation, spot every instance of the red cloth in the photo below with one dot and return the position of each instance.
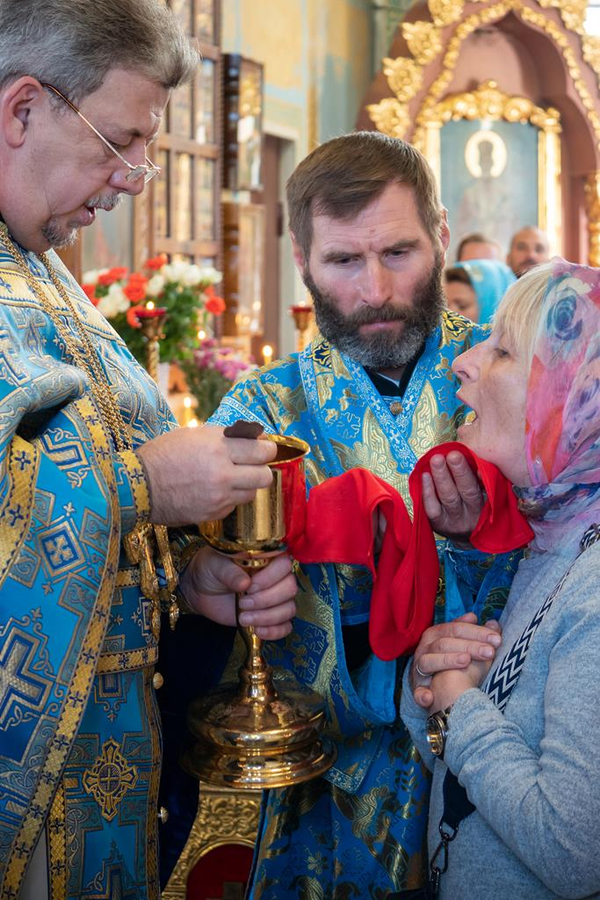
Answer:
(338, 528)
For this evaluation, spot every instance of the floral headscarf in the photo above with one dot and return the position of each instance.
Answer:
(563, 408)
(490, 279)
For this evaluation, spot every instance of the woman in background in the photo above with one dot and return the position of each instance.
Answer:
(475, 288)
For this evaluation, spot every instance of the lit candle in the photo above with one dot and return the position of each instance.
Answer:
(201, 335)
(150, 304)
(267, 354)
(193, 423)
(187, 412)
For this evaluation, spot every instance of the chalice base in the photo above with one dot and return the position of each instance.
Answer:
(245, 742)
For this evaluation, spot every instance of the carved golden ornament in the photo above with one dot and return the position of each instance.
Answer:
(591, 51)
(390, 117)
(224, 817)
(405, 76)
(477, 20)
(592, 206)
(562, 41)
(572, 12)
(424, 40)
(489, 102)
(393, 118)
(445, 12)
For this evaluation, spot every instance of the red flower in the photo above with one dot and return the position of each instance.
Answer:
(157, 262)
(137, 278)
(135, 292)
(131, 316)
(114, 274)
(90, 292)
(215, 305)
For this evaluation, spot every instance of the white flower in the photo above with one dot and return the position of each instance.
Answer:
(114, 303)
(211, 275)
(155, 285)
(175, 271)
(192, 275)
(92, 276)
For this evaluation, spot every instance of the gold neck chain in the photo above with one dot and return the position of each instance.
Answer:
(83, 354)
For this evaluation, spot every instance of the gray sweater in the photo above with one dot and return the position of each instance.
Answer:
(533, 773)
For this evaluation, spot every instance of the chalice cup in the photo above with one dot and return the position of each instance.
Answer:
(265, 731)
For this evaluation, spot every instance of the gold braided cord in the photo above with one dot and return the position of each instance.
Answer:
(84, 355)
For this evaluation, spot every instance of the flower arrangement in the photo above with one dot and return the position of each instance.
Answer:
(210, 373)
(185, 292)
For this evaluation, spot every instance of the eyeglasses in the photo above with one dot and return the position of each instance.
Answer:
(147, 171)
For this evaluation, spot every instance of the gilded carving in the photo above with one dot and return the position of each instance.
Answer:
(390, 117)
(567, 53)
(445, 12)
(572, 12)
(591, 51)
(489, 102)
(592, 204)
(407, 74)
(404, 75)
(465, 28)
(224, 817)
(424, 40)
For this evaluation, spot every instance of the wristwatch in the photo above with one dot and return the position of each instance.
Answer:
(437, 731)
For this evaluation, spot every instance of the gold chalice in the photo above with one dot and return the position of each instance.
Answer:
(265, 731)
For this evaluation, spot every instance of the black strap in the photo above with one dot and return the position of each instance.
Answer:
(457, 807)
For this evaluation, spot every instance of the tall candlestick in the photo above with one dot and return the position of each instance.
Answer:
(302, 315)
(151, 321)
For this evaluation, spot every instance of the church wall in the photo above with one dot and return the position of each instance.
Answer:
(317, 58)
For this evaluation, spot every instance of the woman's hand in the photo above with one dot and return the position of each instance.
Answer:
(447, 687)
(211, 581)
(452, 496)
(452, 647)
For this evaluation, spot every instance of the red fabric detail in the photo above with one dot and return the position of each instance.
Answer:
(338, 528)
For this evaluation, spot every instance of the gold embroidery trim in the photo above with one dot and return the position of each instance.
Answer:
(139, 484)
(127, 660)
(72, 712)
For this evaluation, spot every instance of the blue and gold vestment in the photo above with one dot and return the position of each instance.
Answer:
(359, 831)
(80, 739)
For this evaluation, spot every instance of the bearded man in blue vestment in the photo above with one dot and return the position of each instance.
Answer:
(93, 469)
(373, 389)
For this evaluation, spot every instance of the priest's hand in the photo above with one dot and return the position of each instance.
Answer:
(210, 582)
(198, 474)
(452, 496)
(451, 646)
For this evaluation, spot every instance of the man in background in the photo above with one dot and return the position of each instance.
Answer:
(528, 247)
(478, 246)
(374, 389)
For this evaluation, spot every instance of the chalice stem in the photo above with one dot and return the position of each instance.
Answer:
(256, 679)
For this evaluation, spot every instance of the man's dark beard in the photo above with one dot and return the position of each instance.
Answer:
(384, 349)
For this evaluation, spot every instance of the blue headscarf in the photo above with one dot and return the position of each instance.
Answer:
(490, 279)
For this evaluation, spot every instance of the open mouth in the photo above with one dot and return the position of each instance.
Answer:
(470, 417)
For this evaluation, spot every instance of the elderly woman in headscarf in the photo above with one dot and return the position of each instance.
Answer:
(513, 743)
(475, 288)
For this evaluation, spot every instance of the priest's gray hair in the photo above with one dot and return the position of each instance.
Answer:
(72, 44)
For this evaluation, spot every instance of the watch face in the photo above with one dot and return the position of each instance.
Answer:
(435, 735)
